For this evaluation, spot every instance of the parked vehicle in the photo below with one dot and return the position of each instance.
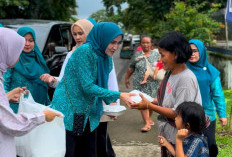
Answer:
(127, 49)
(135, 40)
(54, 40)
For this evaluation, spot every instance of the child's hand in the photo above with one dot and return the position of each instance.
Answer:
(162, 141)
(181, 134)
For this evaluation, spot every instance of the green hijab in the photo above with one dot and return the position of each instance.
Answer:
(31, 65)
(100, 37)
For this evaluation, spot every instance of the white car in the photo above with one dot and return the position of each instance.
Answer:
(135, 40)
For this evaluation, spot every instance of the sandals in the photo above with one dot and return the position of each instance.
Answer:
(145, 128)
(152, 123)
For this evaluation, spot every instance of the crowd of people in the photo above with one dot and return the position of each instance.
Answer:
(187, 97)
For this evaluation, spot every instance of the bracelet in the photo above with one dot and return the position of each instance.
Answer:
(53, 83)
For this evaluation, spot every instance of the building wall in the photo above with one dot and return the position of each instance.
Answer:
(223, 63)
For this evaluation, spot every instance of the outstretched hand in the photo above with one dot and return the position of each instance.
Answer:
(126, 98)
(142, 105)
(47, 78)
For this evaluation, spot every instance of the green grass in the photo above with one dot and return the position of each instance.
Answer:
(224, 135)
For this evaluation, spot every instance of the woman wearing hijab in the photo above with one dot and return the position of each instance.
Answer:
(88, 70)
(11, 45)
(27, 72)
(211, 91)
(80, 31)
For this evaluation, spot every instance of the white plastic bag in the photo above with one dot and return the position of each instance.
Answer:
(46, 140)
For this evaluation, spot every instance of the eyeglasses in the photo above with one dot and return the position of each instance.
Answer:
(194, 51)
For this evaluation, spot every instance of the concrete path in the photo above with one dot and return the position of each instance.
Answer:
(125, 134)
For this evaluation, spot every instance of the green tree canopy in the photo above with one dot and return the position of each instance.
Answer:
(156, 17)
(189, 21)
(101, 15)
(37, 9)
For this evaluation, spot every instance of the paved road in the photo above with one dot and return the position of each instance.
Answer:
(125, 133)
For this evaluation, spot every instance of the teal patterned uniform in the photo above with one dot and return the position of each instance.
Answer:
(80, 78)
(13, 79)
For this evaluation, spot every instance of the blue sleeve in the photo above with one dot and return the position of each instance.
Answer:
(84, 64)
(7, 79)
(218, 98)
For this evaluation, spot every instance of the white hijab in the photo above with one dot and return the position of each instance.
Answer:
(11, 46)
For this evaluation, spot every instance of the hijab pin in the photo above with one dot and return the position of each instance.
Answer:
(204, 68)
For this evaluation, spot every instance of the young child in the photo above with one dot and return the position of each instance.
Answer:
(190, 123)
(157, 66)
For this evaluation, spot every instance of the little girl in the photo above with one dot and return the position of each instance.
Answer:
(190, 122)
(157, 66)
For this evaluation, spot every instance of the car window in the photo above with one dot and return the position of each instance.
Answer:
(67, 37)
(54, 39)
(60, 35)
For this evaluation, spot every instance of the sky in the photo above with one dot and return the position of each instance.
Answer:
(87, 7)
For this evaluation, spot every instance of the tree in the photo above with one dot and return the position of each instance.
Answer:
(101, 15)
(12, 6)
(152, 16)
(189, 21)
(147, 12)
(37, 9)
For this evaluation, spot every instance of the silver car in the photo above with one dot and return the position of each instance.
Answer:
(53, 38)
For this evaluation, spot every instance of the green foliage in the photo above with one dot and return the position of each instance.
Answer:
(228, 100)
(7, 4)
(101, 15)
(188, 20)
(109, 4)
(37, 9)
(224, 146)
(223, 135)
(156, 17)
(140, 15)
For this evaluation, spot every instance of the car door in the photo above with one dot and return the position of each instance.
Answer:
(59, 43)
